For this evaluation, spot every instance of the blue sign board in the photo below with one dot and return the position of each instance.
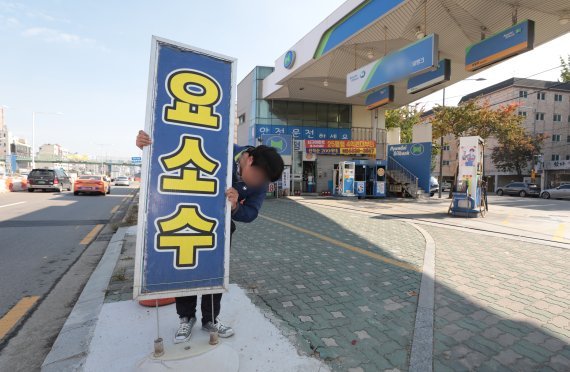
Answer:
(12, 160)
(136, 159)
(281, 142)
(429, 79)
(302, 133)
(184, 218)
(380, 97)
(411, 60)
(502, 45)
(416, 158)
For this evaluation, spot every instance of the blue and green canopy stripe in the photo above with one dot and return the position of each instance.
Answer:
(356, 20)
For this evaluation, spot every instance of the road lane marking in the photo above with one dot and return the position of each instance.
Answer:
(559, 233)
(12, 317)
(9, 205)
(403, 265)
(91, 235)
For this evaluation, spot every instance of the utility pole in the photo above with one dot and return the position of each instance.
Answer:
(441, 156)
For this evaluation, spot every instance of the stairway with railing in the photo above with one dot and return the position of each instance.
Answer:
(402, 176)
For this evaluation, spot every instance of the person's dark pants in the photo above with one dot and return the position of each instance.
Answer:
(186, 306)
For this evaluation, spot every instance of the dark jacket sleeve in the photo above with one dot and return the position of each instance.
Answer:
(247, 212)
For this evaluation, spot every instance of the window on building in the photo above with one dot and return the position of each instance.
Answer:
(568, 138)
(241, 119)
(567, 157)
(558, 98)
(556, 117)
(322, 114)
(279, 112)
(555, 157)
(522, 113)
(523, 93)
(541, 96)
(295, 113)
(539, 116)
(556, 138)
(344, 114)
(445, 147)
(333, 116)
(263, 111)
(445, 162)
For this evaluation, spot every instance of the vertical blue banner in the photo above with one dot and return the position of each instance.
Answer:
(183, 231)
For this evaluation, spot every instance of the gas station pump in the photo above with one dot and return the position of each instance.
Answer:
(470, 198)
(343, 178)
(370, 178)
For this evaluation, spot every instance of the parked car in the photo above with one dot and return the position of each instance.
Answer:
(122, 181)
(48, 179)
(92, 184)
(433, 186)
(519, 188)
(446, 186)
(560, 192)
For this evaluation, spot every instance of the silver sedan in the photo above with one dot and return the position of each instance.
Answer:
(122, 181)
(560, 192)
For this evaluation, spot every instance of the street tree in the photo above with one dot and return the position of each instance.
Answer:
(515, 153)
(478, 119)
(565, 72)
(404, 118)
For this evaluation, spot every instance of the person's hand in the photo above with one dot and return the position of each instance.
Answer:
(232, 195)
(143, 139)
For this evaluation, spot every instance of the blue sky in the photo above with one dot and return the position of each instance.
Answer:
(89, 59)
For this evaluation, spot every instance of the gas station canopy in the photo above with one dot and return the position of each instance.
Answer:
(359, 33)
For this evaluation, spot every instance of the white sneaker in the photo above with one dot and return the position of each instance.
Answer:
(184, 330)
(223, 331)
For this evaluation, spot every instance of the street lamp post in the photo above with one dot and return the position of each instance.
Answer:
(34, 132)
(441, 144)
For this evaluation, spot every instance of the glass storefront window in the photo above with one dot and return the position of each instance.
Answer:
(309, 111)
(344, 114)
(322, 117)
(294, 111)
(263, 109)
(332, 115)
(307, 114)
(279, 110)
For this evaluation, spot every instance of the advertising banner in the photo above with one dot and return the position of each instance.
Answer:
(416, 158)
(184, 219)
(470, 164)
(411, 60)
(327, 144)
(340, 147)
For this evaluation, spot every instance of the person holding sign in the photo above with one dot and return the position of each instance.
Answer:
(253, 169)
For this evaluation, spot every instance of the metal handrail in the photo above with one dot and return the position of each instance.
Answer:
(413, 179)
(410, 175)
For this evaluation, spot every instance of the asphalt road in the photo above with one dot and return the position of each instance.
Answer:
(41, 236)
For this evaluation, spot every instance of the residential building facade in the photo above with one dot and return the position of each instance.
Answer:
(545, 107)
